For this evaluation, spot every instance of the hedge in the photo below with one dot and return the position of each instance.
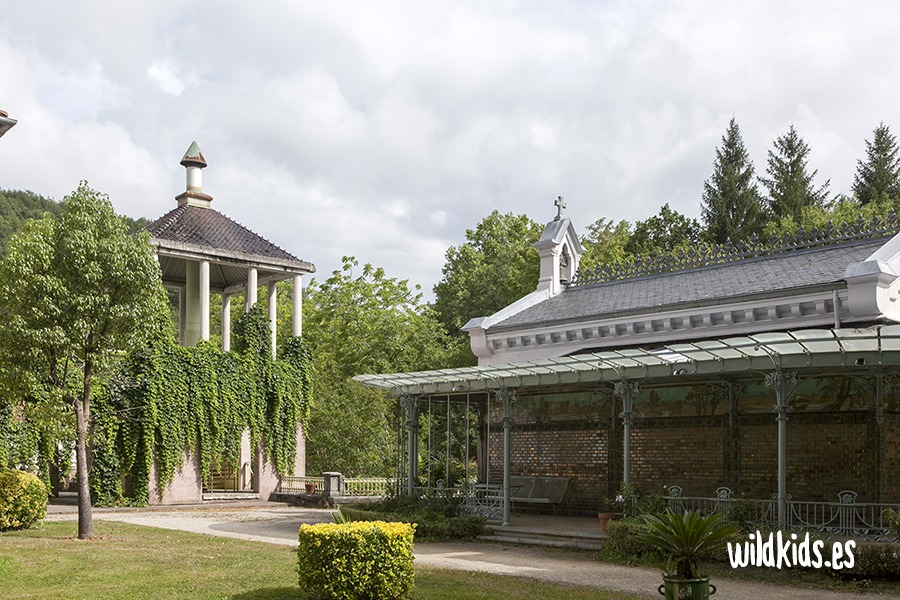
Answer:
(370, 560)
(430, 526)
(876, 561)
(23, 500)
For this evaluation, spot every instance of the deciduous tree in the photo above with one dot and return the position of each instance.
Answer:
(663, 233)
(496, 266)
(74, 290)
(359, 321)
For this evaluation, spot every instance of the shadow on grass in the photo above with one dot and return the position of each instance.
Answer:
(270, 593)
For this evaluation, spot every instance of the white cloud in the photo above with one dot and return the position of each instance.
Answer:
(163, 75)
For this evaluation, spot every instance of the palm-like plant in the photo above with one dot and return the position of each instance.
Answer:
(684, 538)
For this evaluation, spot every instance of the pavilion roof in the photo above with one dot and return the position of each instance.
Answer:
(803, 350)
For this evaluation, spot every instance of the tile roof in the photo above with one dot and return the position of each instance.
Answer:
(783, 274)
(207, 227)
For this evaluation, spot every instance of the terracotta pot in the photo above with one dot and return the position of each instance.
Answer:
(310, 488)
(606, 517)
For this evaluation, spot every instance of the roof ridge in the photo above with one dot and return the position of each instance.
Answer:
(707, 256)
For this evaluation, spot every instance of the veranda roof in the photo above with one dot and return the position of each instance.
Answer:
(810, 349)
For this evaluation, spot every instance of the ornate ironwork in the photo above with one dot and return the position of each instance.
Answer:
(704, 255)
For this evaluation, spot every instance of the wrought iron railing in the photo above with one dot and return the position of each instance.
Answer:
(844, 518)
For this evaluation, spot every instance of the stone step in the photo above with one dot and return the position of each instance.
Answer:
(220, 496)
(545, 537)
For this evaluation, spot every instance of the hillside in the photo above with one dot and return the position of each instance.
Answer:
(17, 206)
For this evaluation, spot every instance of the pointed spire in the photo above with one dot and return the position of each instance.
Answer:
(193, 195)
(193, 157)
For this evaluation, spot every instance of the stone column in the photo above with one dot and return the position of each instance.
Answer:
(226, 322)
(182, 315)
(192, 303)
(250, 292)
(272, 298)
(204, 300)
(297, 306)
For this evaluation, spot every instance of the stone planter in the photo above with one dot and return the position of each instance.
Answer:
(676, 588)
(606, 517)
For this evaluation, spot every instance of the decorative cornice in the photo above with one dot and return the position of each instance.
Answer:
(704, 256)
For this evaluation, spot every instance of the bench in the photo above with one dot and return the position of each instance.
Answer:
(537, 490)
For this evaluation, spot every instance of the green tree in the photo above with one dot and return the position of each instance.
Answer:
(75, 289)
(878, 178)
(605, 243)
(496, 266)
(790, 185)
(362, 321)
(732, 209)
(663, 233)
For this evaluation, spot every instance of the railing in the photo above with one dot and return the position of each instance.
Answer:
(845, 518)
(367, 486)
(351, 486)
(297, 485)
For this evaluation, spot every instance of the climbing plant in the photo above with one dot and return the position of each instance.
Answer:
(166, 399)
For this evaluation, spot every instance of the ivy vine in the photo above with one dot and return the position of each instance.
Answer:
(166, 400)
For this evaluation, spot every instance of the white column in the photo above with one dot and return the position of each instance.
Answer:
(250, 292)
(204, 300)
(226, 322)
(192, 303)
(297, 306)
(182, 315)
(272, 297)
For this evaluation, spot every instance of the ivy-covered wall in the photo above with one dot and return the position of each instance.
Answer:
(166, 399)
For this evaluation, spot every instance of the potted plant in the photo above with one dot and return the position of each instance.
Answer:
(310, 488)
(611, 508)
(684, 538)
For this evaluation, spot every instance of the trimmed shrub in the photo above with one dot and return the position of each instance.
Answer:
(370, 560)
(622, 543)
(876, 561)
(23, 500)
(435, 521)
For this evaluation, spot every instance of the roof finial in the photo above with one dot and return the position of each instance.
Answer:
(560, 205)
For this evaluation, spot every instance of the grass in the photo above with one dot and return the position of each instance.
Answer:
(130, 561)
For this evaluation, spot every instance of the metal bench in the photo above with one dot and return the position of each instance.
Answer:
(537, 490)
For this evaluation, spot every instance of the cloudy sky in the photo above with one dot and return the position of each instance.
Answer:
(385, 129)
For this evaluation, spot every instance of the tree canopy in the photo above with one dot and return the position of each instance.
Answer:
(731, 207)
(662, 233)
(358, 321)
(789, 183)
(75, 289)
(877, 178)
(496, 266)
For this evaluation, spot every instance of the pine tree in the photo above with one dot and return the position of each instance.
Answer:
(790, 185)
(878, 179)
(732, 208)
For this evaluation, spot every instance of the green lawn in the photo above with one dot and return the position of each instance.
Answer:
(129, 561)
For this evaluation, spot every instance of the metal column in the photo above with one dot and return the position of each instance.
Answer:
(626, 391)
(507, 397)
(412, 427)
(783, 382)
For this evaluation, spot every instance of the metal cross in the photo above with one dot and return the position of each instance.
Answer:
(560, 205)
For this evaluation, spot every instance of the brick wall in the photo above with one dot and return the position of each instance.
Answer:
(685, 452)
(827, 453)
(890, 466)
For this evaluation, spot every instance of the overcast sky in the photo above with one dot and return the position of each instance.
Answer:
(384, 129)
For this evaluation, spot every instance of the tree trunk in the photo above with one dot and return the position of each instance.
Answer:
(82, 419)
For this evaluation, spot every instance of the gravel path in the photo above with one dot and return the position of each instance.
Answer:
(279, 525)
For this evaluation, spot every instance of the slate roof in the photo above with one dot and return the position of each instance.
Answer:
(207, 227)
(783, 274)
